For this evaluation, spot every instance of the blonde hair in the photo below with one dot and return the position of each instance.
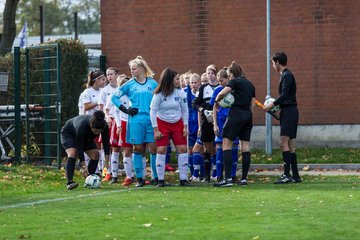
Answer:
(195, 77)
(140, 62)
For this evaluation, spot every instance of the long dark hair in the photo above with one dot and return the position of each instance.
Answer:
(97, 121)
(166, 82)
(92, 76)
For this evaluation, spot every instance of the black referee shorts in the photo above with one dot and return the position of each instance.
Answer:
(68, 141)
(207, 131)
(238, 124)
(289, 119)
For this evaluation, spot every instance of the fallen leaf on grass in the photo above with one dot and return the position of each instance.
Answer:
(256, 237)
(147, 224)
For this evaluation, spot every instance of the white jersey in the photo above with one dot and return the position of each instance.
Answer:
(109, 106)
(119, 115)
(81, 104)
(169, 109)
(105, 92)
(91, 96)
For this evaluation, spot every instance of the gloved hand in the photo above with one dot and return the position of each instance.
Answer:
(130, 111)
(209, 116)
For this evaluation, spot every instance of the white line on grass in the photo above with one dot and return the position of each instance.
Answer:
(25, 204)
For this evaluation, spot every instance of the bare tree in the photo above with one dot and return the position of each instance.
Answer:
(9, 29)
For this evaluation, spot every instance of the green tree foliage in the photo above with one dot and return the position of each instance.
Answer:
(74, 68)
(59, 16)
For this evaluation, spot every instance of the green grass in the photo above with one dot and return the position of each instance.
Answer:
(310, 155)
(305, 155)
(320, 208)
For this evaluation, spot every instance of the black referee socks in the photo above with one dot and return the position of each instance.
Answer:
(245, 164)
(70, 168)
(227, 156)
(287, 160)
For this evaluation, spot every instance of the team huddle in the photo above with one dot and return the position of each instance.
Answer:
(206, 118)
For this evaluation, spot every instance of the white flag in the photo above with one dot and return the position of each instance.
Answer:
(23, 36)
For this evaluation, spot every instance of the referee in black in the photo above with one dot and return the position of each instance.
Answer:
(78, 136)
(238, 122)
(289, 118)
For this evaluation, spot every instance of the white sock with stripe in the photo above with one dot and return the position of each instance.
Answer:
(160, 166)
(183, 165)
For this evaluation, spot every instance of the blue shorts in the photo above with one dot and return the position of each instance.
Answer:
(199, 141)
(139, 130)
(192, 139)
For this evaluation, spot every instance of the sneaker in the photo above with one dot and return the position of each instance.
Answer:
(154, 181)
(72, 185)
(185, 183)
(140, 183)
(243, 182)
(114, 180)
(206, 180)
(297, 180)
(195, 179)
(107, 177)
(213, 179)
(169, 168)
(161, 183)
(223, 183)
(283, 180)
(127, 182)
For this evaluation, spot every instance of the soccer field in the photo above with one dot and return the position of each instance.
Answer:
(320, 208)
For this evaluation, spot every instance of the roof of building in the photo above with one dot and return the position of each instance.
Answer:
(91, 41)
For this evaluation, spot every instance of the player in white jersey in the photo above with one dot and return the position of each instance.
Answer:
(121, 119)
(96, 81)
(169, 117)
(111, 75)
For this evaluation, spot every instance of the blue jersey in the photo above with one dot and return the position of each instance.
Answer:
(140, 95)
(223, 112)
(193, 113)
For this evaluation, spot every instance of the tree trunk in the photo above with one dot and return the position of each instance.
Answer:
(9, 29)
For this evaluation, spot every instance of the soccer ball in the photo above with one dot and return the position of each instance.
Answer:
(227, 101)
(271, 100)
(92, 181)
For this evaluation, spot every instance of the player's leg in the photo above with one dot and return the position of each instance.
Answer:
(288, 128)
(198, 160)
(149, 139)
(245, 163)
(227, 156)
(235, 159)
(70, 168)
(294, 165)
(219, 162)
(180, 142)
(114, 164)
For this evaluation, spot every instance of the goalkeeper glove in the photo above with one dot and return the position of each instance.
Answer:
(130, 111)
(209, 116)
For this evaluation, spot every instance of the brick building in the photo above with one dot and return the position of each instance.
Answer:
(321, 38)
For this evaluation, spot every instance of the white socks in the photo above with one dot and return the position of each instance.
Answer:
(160, 166)
(114, 163)
(183, 165)
(128, 166)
